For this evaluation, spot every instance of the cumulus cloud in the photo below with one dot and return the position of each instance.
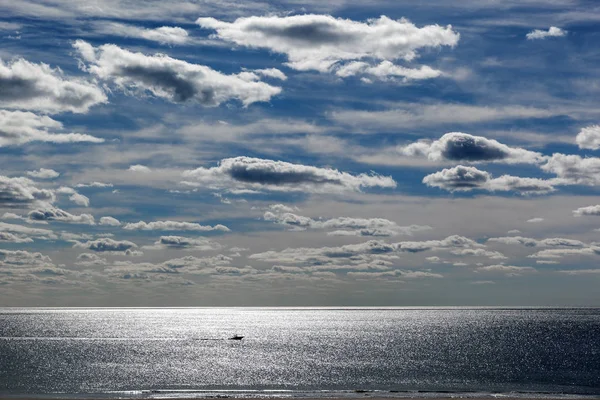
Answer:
(348, 226)
(23, 231)
(256, 173)
(75, 197)
(494, 255)
(386, 70)
(139, 168)
(173, 226)
(509, 270)
(589, 138)
(12, 238)
(327, 44)
(559, 253)
(38, 87)
(21, 192)
(51, 213)
(553, 31)
(94, 185)
(589, 210)
(573, 169)
(163, 34)
(90, 260)
(175, 80)
(107, 245)
(462, 147)
(580, 272)
(530, 242)
(109, 221)
(181, 242)
(43, 173)
(271, 73)
(464, 178)
(453, 241)
(535, 220)
(19, 127)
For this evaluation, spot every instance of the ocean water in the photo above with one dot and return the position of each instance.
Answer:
(302, 352)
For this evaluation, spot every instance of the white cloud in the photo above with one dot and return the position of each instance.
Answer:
(580, 272)
(90, 260)
(256, 173)
(536, 220)
(139, 168)
(38, 87)
(271, 73)
(463, 178)
(358, 226)
(94, 185)
(175, 80)
(109, 221)
(75, 197)
(44, 173)
(409, 115)
(463, 147)
(18, 127)
(50, 213)
(530, 242)
(494, 255)
(174, 226)
(589, 138)
(510, 270)
(589, 210)
(324, 43)
(574, 169)
(559, 253)
(387, 70)
(553, 31)
(164, 34)
(12, 238)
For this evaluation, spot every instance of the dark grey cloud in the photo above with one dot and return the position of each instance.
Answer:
(51, 213)
(107, 245)
(463, 178)
(463, 147)
(256, 173)
(21, 192)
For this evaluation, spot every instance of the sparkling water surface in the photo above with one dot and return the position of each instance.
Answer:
(148, 352)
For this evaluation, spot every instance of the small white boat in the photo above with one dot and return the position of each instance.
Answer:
(236, 337)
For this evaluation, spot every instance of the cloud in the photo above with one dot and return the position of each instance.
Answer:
(509, 270)
(38, 87)
(256, 173)
(21, 192)
(494, 255)
(9, 237)
(589, 138)
(590, 210)
(535, 220)
(387, 70)
(271, 73)
(325, 44)
(94, 185)
(553, 31)
(90, 260)
(109, 221)
(107, 245)
(174, 226)
(180, 242)
(163, 34)
(574, 169)
(168, 78)
(26, 231)
(18, 127)
(462, 147)
(358, 226)
(559, 253)
(530, 242)
(75, 197)
(416, 115)
(580, 272)
(51, 213)
(139, 168)
(43, 173)
(463, 178)
(450, 242)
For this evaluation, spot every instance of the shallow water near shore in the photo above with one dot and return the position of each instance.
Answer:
(299, 352)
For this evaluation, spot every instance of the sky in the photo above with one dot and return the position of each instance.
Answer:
(299, 153)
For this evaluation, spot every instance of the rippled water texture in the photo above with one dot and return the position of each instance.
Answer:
(81, 351)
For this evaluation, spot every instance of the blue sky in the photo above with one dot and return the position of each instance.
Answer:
(202, 153)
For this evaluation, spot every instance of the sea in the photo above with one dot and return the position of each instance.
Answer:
(299, 352)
